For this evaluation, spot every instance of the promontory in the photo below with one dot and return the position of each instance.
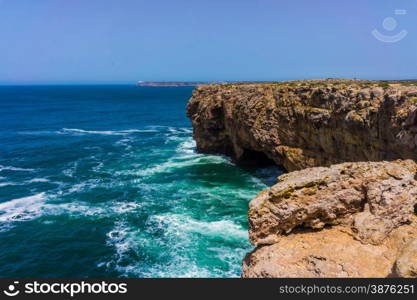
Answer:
(347, 207)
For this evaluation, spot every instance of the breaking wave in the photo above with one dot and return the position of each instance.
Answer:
(137, 201)
(103, 132)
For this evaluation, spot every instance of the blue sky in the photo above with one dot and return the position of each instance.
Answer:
(103, 41)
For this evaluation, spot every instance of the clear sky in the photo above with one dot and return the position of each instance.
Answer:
(95, 41)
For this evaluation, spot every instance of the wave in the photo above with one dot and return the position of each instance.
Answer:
(35, 206)
(175, 237)
(78, 131)
(180, 224)
(102, 132)
(34, 180)
(187, 145)
(37, 180)
(170, 129)
(176, 163)
(177, 130)
(117, 238)
(2, 184)
(11, 168)
(21, 209)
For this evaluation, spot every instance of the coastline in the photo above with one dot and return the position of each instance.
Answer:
(316, 126)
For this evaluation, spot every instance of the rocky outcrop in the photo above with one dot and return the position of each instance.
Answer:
(331, 252)
(349, 220)
(348, 208)
(300, 124)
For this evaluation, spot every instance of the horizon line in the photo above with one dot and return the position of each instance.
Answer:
(61, 83)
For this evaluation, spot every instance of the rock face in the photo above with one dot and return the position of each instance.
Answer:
(349, 220)
(349, 207)
(331, 252)
(304, 124)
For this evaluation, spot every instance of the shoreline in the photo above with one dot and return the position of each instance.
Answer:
(311, 128)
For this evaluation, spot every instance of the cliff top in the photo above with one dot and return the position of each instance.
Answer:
(322, 83)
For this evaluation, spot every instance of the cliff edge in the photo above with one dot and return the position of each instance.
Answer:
(348, 206)
(301, 124)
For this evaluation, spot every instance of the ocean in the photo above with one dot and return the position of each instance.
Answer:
(104, 181)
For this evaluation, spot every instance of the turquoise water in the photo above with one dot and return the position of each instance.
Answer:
(104, 181)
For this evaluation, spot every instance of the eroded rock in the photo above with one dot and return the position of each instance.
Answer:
(372, 198)
(302, 124)
(351, 213)
(347, 220)
(332, 252)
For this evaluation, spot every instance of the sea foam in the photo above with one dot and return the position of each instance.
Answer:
(21, 209)
(11, 168)
(102, 132)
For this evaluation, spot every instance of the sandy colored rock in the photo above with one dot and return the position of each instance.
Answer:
(330, 252)
(300, 124)
(372, 198)
(347, 220)
(406, 264)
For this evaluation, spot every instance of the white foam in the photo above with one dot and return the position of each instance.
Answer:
(11, 168)
(10, 183)
(179, 224)
(124, 207)
(181, 234)
(2, 184)
(102, 132)
(118, 237)
(180, 162)
(176, 130)
(21, 209)
(71, 170)
(38, 180)
(139, 130)
(188, 146)
(187, 130)
(83, 186)
(76, 209)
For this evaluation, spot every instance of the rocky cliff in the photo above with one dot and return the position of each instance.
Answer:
(348, 220)
(300, 124)
(348, 208)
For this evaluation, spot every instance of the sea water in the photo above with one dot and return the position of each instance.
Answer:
(105, 181)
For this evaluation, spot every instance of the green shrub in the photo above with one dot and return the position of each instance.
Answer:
(383, 84)
(413, 100)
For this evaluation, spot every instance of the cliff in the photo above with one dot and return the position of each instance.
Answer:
(348, 220)
(300, 124)
(348, 206)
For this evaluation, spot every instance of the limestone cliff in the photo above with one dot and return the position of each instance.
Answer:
(348, 208)
(300, 124)
(349, 220)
